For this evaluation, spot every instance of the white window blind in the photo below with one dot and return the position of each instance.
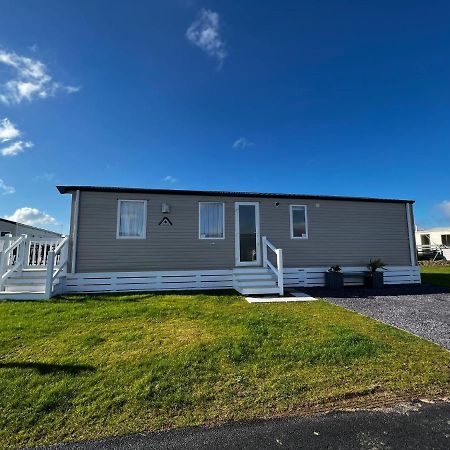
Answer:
(211, 221)
(131, 219)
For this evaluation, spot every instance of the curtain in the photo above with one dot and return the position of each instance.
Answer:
(211, 220)
(131, 221)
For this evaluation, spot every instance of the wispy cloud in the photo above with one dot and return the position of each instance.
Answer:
(205, 34)
(242, 143)
(444, 208)
(44, 177)
(8, 133)
(5, 189)
(8, 130)
(31, 216)
(16, 148)
(30, 80)
(170, 179)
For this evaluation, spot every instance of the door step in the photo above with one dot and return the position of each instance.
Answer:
(254, 281)
(22, 295)
(258, 290)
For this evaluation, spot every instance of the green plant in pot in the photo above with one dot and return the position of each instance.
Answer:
(334, 278)
(376, 280)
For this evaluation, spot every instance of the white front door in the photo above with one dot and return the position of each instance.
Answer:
(247, 235)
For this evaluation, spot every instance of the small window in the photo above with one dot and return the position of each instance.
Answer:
(425, 239)
(446, 240)
(211, 220)
(131, 219)
(299, 222)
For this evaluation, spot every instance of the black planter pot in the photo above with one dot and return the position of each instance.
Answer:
(334, 280)
(375, 280)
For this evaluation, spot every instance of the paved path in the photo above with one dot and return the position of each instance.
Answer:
(409, 426)
(421, 310)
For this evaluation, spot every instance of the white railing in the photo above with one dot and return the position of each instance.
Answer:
(431, 248)
(56, 266)
(278, 271)
(434, 249)
(19, 254)
(38, 251)
(12, 256)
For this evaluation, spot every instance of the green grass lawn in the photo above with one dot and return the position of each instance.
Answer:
(86, 367)
(436, 275)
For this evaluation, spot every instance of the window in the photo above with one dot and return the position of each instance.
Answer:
(425, 239)
(211, 220)
(446, 240)
(299, 222)
(131, 219)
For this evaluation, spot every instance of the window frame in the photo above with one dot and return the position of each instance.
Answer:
(119, 202)
(445, 237)
(291, 220)
(199, 221)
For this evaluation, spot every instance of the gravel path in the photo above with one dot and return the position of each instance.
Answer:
(421, 310)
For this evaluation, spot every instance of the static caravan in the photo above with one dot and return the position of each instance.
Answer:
(128, 239)
(125, 239)
(12, 228)
(433, 242)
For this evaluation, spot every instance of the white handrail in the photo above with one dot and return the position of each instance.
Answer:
(278, 271)
(15, 243)
(53, 274)
(11, 260)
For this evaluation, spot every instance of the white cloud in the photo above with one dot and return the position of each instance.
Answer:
(16, 148)
(30, 80)
(31, 216)
(242, 143)
(44, 177)
(170, 179)
(444, 208)
(5, 189)
(8, 130)
(71, 89)
(205, 34)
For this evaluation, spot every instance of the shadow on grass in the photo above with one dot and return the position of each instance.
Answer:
(436, 279)
(136, 296)
(46, 368)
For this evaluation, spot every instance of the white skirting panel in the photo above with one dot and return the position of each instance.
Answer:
(216, 279)
(315, 276)
(149, 281)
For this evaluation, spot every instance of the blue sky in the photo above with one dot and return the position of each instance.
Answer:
(329, 97)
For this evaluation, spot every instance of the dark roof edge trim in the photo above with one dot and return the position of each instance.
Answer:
(70, 189)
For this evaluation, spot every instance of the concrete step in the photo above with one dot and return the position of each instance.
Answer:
(29, 274)
(24, 295)
(238, 270)
(23, 281)
(258, 290)
(24, 288)
(254, 276)
(262, 283)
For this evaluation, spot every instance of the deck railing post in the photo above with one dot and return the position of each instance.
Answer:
(280, 270)
(49, 277)
(2, 267)
(264, 250)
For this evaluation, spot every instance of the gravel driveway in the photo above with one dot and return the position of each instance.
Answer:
(421, 310)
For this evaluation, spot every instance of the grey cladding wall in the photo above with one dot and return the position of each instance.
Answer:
(340, 232)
